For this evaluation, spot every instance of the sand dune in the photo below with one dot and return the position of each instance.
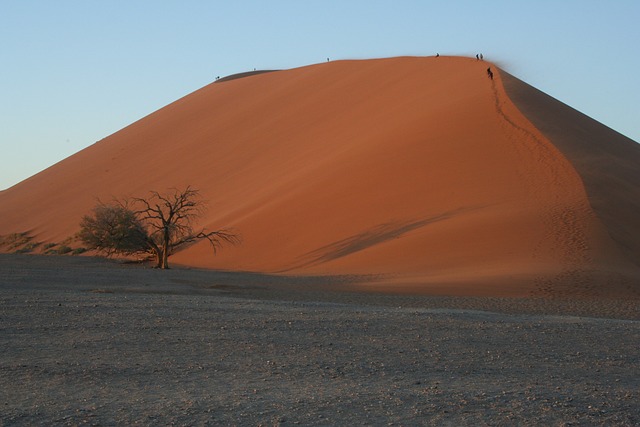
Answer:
(608, 162)
(420, 170)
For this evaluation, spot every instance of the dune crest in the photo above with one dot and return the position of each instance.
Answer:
(422, 171)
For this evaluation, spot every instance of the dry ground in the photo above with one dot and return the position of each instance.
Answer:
(85, 341)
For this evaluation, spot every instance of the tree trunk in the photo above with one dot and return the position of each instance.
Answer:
(158, 254)
(165, 249)
(165, 260)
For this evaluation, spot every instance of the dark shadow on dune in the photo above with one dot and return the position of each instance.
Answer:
(608, 162)
(242, 75)
(372, 237)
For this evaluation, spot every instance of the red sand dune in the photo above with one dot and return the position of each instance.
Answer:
(421, 170)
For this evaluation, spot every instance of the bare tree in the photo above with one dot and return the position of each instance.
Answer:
(170, 223)
(159, 224)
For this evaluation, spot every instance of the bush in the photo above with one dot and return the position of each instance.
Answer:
(63, 250)
(113, 229)
(19, 242)
(27, 248)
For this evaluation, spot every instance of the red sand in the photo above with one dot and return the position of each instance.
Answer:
(418, 169)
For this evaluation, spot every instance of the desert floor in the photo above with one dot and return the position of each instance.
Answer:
(88, 341)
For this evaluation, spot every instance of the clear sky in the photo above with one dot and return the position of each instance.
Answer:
(74, 72)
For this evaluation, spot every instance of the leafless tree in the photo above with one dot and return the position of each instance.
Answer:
(159, 224)
(170, 219)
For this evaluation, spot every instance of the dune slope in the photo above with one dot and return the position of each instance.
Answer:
(419, 170)
(608, 162)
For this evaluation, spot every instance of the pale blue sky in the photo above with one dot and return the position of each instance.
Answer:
(74, 72)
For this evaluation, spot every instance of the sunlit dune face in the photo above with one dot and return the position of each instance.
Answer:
(421, 170)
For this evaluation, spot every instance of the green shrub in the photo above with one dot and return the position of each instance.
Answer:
(63, 250)
(17, 242)
(27, 248)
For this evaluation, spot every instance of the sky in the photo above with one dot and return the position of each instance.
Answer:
(74, 72)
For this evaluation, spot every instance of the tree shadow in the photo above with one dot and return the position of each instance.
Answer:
(369, 238)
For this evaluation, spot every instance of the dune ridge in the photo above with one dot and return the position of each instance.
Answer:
(422, 171)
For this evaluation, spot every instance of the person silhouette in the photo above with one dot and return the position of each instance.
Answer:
(490, 73)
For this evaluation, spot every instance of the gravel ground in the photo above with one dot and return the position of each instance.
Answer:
(89, 342)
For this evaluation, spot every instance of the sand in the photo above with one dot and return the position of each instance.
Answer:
(92, 342)
(606, 160)
(422, 171)
(421, 246)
